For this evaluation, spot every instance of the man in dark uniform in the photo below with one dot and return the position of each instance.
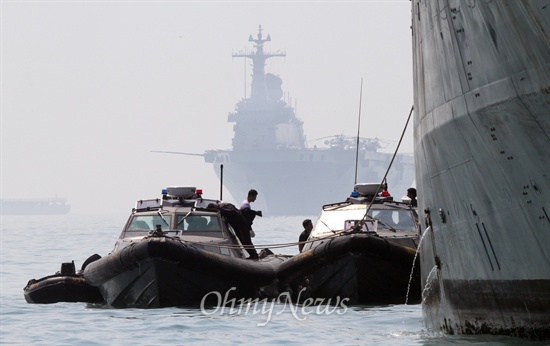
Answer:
(308, 226)
(239, 224)
(247, 211)
(411, 193)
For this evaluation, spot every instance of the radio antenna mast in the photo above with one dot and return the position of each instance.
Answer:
(358, 129)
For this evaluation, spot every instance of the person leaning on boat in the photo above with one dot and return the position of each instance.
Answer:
(308, 226)
(242, 229)
(248, 213)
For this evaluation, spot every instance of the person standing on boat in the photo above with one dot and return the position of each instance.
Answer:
(242, 230)
(248, 213)
(411, 193)
(308, 226)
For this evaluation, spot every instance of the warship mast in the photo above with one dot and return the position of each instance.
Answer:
(259, 89)
(264, 121)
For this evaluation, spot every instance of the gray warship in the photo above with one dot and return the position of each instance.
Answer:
(482, 152)
(270, 154)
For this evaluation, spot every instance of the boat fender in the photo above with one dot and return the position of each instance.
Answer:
(90, 259)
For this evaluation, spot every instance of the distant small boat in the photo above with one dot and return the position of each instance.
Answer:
(34, 206)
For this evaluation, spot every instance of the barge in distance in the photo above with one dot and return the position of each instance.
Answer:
(34, 206)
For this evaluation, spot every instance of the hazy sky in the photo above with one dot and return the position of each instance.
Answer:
(89, 89)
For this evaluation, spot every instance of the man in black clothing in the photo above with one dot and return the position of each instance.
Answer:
(308, 226)
(411, 193)
(239, 224)
(247, 211)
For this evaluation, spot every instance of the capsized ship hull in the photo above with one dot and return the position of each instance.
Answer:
(482, 152)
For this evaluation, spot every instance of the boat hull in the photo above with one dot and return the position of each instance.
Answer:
(360, 268)
(482, 133)
(161, 272)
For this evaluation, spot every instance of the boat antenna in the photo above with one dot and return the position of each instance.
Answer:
(221, 182)
(358, 129)
(244, 60)
(383, 183)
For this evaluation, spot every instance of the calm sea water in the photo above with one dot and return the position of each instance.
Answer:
(35, 246)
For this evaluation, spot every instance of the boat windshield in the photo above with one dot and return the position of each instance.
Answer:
(198, 223)
(394, 219)
(335, 220)
(149, 222)
(339, 219)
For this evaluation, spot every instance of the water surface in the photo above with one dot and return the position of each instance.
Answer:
(35, 246)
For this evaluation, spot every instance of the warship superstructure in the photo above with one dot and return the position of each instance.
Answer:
(482, 152)
(270, 154)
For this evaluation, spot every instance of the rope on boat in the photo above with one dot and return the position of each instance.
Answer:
(360, 224)
(236, 246)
